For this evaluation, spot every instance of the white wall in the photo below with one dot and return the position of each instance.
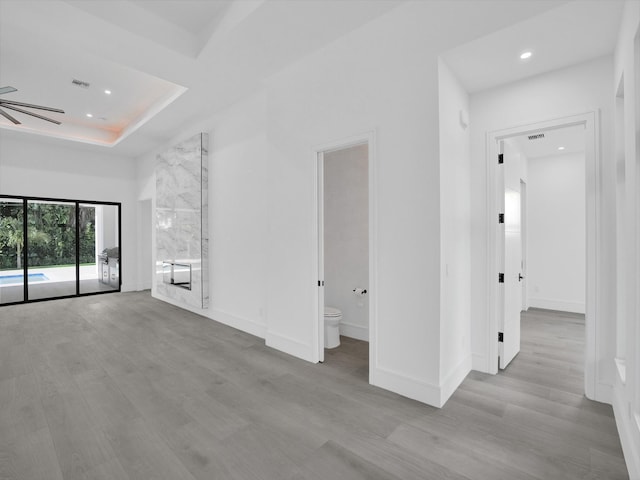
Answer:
(455, 234)
(30, 166)
(146, 269)
(626, 391)
(556, 233)
(237, 211)
(382, 78)
(370, 84)
(346, 237)
(570, 91)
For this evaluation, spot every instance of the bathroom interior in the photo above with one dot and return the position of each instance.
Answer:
(346, 252)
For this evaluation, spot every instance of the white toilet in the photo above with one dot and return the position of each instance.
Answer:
(332, 318)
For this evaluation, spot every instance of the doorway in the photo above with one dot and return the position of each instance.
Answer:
(345, 246)
(501, 330)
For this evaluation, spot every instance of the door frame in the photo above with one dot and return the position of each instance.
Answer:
(368, 138)
(590, 120)
(523, 227)
(76, 204)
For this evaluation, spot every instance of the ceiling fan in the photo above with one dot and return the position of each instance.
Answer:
(11, 105)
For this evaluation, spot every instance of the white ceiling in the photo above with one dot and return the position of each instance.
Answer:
(572, 139)
(183, 26)
(190, 15)
(135, 96)
(213, 52)
(572, 33)
(170, 62)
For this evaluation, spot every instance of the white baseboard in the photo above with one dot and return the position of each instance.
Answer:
(604, 393)
(239, 323)
(126, 287)
(289, 345)
(560, 305)
(407, 386)
(244, 324)
(479, 363)
(354, 331)
(453, 380)
(629, 432)
(178, 304)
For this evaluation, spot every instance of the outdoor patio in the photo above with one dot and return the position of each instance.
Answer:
(57, 282)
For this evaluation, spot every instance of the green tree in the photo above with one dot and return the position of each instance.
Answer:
(52, 234)
(11, 235)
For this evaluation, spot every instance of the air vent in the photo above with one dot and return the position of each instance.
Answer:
(80, 83)
(537, 136)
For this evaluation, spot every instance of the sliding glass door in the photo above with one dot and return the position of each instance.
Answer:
(12, 286)
(57, 248)
(99, 248)
(51, 249)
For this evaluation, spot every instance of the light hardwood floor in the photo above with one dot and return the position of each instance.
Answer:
(123, 386)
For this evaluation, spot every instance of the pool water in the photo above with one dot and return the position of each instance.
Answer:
(33, 277)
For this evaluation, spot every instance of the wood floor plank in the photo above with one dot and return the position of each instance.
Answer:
(79, 446)
(20, 406)
(546, 406)
(396, 460)
(504, 445)
(28, 455)
(465, 461)
(107, 404)
(144, 454)
(201, 452)
(343, 464)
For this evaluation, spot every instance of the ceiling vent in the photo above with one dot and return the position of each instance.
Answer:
(80, 83)
(537, 136)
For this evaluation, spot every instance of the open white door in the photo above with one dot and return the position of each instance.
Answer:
(523, 234)
(509, 347)
(320, 188)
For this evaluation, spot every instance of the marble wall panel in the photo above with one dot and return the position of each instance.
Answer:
(181, 219)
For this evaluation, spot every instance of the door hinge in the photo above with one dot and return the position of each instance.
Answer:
(501, 278)
(500, 337)
(321, 283)
(501, 158)
(501, 218)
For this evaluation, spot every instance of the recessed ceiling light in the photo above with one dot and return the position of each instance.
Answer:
(560, 148)
(90, 115)
(107, 92)
(526, 55)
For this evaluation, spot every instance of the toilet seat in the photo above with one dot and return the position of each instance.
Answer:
(332, 312)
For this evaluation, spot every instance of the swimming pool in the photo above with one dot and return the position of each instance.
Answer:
(33, 277)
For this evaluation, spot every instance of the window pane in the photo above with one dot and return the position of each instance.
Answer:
(99, 248)
(51, 249)
(11, 251)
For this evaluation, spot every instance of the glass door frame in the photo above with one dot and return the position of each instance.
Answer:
(25, 249)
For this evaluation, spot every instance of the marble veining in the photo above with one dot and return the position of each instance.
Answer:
(182, 218)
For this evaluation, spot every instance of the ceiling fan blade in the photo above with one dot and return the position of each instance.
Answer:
(30, 113)
(9, 117)
(7, 90)
(28, 105)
